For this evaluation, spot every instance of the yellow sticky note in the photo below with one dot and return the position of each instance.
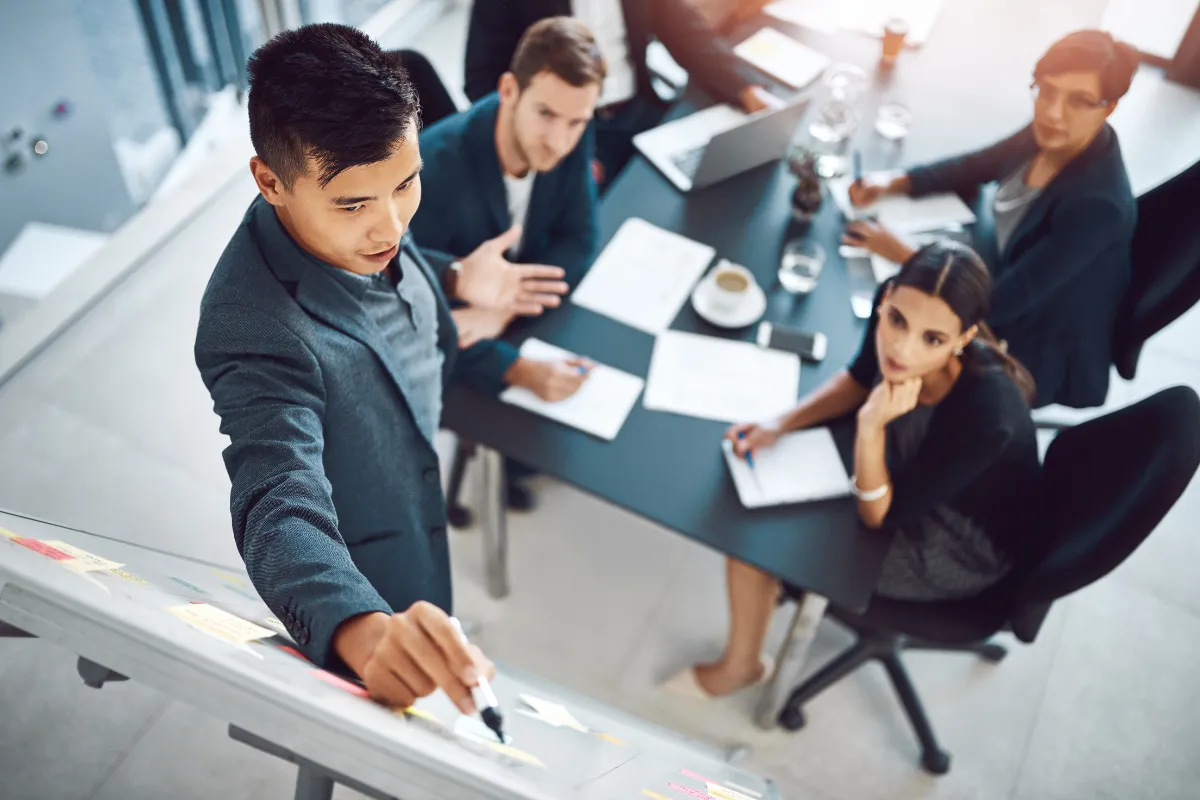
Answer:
(218, 623)
(653, 795)
(606, 737)
(725, 793)
(129, 576)
(413, 711)
(8, 534)
(82, 560)
(519, 755)
(236, 580)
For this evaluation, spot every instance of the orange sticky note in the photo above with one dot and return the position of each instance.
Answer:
(341, 683)
(612, 739)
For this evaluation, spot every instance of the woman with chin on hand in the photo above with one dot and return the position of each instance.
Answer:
(945, 454)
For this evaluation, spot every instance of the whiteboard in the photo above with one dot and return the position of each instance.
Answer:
(118, 617)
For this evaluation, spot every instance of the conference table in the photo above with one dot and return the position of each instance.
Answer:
(668, 468)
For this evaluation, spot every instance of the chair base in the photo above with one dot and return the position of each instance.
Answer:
(886, 649)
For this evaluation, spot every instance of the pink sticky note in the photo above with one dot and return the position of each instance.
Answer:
(699, 795)
(44, 549)
(291, 651)
(334, 680)
(687, 773)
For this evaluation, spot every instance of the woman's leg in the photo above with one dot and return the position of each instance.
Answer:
(753, 596)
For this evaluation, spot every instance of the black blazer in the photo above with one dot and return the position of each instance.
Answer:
(497, 25)
(1060, 282)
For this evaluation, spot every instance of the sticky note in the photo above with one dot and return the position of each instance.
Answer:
(420, 713)
(128, 576)
(236, 580)
(725, 793)
(193, 587)
(552, 713)
(8, 534)
(687, 773)
(519, 755)
(218, 623)
(87, 562)
(43, 549)
(699, 795)
(291, 651)
(654, 795)
(340, 683)
(606, 737)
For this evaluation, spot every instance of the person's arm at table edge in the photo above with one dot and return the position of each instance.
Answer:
(835, 398)
(964, 174)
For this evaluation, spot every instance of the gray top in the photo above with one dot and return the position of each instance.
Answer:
(1013, 199)
(406, 315)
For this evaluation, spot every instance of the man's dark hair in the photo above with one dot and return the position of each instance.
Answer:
(1092, 51)
(560, 45)
(329, 93)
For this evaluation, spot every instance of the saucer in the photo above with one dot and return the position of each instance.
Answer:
(749, 311)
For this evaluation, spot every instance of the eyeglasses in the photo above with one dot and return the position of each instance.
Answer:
(1044, 93)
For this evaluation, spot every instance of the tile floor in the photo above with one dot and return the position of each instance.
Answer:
(111, 430)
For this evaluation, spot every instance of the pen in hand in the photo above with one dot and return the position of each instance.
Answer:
(485, 698)
(857, 159)
(749, 456)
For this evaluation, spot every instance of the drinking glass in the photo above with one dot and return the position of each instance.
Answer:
(800, 266)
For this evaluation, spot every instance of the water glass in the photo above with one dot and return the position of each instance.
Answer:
(892, 121)
(800, 266)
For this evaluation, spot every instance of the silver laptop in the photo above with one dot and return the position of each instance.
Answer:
(719, 142)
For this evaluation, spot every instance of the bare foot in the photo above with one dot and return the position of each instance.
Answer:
(720, 680)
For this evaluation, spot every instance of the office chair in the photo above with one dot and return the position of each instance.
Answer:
(436, 102)
(1107, 484)
(1165, 281)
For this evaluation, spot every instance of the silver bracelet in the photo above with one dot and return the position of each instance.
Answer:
(874, 494)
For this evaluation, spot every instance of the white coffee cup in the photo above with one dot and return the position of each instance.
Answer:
(729, 286)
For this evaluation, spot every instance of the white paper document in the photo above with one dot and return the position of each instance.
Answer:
(800, 467)
(905, 214)
(601, 405)
(711, 378)
(644, 276)
(782, 57)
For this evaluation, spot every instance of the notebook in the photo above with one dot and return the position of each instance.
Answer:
(802, 466)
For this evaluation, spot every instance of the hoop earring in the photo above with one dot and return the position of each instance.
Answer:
(958, 352)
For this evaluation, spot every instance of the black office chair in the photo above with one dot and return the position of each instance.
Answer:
(436, 102)
(1166, 266)
(1165, 281)
(1108, 483)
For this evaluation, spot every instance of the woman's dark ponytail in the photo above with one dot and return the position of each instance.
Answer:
(953, 272)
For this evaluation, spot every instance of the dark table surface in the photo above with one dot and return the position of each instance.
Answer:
(967, 86)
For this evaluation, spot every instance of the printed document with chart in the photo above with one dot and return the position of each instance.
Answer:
(711, 378)
(644, 276)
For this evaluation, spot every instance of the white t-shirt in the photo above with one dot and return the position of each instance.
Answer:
(519, 190)
(607, 21)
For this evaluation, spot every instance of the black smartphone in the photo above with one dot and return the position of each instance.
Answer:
(809, 346)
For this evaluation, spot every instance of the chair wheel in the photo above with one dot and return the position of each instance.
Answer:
(459, 516)
(936, 762)
(993, 653)
(792, 718)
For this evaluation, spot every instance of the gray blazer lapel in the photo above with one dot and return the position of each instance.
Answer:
(321, 295)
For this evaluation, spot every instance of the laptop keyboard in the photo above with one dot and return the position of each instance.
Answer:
(688, 161)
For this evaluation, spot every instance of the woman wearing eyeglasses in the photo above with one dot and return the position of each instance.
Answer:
(1063, 219)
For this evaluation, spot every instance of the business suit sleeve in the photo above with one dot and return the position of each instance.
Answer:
(699, 49)
(485, 363)
(267, 389)
(1080, 230)
(492, 37)
(575, 235)
(964, 174)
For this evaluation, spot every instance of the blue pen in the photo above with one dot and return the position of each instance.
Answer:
(750, 462)
(857, 165)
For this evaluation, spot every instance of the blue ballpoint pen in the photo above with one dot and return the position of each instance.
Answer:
(750, 462)
(857, 158)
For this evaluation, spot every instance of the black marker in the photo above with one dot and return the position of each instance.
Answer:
(485, 698)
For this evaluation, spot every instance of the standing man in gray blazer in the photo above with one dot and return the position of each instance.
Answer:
(325, 340)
